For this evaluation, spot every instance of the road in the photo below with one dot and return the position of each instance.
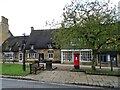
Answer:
(17, 83)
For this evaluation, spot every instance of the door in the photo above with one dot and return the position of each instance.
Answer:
(113, 57)
(20, 57)
(41, 56)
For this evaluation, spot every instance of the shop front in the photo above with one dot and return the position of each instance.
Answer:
(68, 55)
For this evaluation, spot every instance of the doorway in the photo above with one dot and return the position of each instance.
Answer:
(41, 57)
(113, 57)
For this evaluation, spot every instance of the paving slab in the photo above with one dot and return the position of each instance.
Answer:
(75, 77)
(63, 75)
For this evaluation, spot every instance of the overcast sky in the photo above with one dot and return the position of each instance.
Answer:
(23, 14)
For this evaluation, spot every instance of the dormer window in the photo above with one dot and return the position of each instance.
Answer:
(32, 47)
(20, 49)
(49, 46)
(10, 48)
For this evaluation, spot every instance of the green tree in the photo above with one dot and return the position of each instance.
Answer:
(88, 25)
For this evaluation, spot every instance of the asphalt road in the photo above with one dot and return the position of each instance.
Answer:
(16, 83)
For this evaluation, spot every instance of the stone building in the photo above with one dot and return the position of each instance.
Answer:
(40, 46)
(4, 31)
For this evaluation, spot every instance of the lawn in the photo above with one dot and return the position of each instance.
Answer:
(13, 69)
(98, 71)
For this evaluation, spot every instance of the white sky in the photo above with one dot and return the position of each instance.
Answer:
(23, 14)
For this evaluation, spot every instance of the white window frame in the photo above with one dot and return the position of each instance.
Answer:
(69, 53)
(19, 57)
(51, 54)
(32, 47)
(87, 55)
(75, 50)
(9, 58)
(49, 46)
(32, 55)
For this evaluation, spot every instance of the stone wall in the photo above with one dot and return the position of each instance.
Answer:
(57, 54)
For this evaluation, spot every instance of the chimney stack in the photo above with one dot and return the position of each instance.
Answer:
(32, 28)
(4, 20)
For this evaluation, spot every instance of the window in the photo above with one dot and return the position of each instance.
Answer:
(20, 49)
(32, 47)
(8, 56)
(32, 55)
(50, 54)
(20, 56)
(49, 46)
(86, 55)
(67, 56)
(103, 58)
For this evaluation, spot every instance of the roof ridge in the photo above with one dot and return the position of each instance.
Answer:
(20, 36)
(43, 29)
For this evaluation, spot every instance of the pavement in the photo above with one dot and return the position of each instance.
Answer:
(63, 75)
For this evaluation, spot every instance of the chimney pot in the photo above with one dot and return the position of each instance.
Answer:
(32, 28)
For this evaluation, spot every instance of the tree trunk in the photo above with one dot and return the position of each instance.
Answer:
(100, 61)
(111, 65)
(94, 60)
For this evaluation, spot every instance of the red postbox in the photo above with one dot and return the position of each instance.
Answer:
(76, 61)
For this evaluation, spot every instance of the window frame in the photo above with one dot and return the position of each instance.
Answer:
(103, 57)
(50, 53)
(86, 55)
(10, 55)
(67, 56)
(32, 55)
(20, 56)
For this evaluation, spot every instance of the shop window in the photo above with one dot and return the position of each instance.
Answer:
(67, 56)
(86, 55)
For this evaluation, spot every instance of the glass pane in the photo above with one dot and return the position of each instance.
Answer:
(86, 55)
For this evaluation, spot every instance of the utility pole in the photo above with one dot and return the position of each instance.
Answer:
(23, 44)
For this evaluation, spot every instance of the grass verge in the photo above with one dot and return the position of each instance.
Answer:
(13, 69)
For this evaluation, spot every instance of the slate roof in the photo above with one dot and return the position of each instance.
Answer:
(40, 39)
(13, 42)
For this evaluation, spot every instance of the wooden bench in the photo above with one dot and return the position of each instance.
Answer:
(35, 66)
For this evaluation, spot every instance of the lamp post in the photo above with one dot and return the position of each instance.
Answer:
(23, 49)
(10, 49)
